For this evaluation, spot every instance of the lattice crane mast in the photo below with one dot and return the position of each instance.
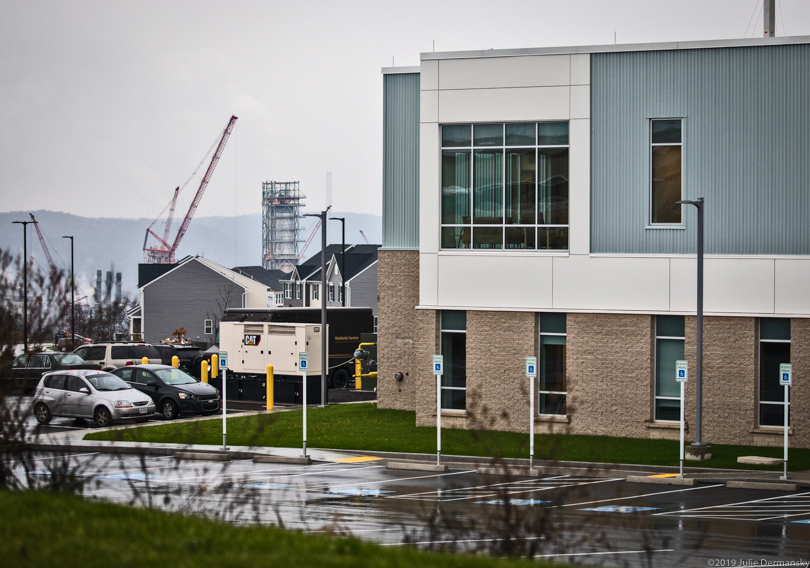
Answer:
(166, 254)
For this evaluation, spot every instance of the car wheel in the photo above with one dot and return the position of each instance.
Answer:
(43, 413)
(340, 380)
(102, 417)
(169, 409)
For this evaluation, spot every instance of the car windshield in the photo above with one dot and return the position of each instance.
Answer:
(107, 382)
(174, 377)
(69, 359)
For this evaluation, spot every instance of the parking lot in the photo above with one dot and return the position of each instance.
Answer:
(592, 520)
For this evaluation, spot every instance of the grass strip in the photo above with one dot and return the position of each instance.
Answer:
(50, 529)
(364, 427)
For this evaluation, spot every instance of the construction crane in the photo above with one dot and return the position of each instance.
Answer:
(164, 253)
(313, 233)
(364, 237)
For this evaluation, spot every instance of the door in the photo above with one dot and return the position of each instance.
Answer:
(77, 403)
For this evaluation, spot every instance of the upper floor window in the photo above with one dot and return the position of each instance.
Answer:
(288, 286)
(298, 291)
(666, 158)
(505, 186)
(331, 292)
(208, 327)
(315, 288)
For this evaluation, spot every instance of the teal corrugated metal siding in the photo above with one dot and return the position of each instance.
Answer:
(401, 161)
(746, 135)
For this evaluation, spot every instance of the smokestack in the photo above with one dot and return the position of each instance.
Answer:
(108, 288)
(118, 287)
(98, 286)
(328, 189)
(769, 18)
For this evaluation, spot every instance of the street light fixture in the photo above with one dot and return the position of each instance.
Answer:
(72, 303)
(342, 259)
(25, 281)
(699, 382)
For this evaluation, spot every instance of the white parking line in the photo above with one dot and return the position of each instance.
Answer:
(755, 510)
(249, 474)
(479, 486)
(71, 455)
(457, 541)
(603, 553)
(638, 496)
(400, 479)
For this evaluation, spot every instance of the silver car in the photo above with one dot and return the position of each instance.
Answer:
(89, 394)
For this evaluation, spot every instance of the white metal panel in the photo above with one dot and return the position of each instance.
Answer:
(497, 105)
(625, 283)
(579, 186)
(429, 75)
(581, 69)
(488, 73)
(428, 279)
(739, 285)
(476, 280)
(683, 284)
(580, 101)
(429, 106)
(792, 286)
(429, 187)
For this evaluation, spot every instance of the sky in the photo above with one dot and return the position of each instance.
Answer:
(107, 106)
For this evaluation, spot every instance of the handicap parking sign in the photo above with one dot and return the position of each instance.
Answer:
(786, 374)
(438, 363)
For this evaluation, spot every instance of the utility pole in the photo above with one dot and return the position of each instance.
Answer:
(72, 302)
(25, 282)
(324, 358)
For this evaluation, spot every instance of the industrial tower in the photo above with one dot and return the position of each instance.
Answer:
(281, 231)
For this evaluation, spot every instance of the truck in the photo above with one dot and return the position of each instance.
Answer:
(255, 338)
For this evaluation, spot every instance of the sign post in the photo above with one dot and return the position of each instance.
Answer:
(303, 358)
(786, 379)
(531, 372)
(223, 366)
(438, 370)
(682, 375)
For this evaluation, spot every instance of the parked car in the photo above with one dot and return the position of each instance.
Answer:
(190, 357)
(85, 393)
(173, 391)
(27, 369)
(117, 354)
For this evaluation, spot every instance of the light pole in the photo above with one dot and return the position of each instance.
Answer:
(72, 304)
(25, 282)
(342, 258)
(699, 382)
(324, 361)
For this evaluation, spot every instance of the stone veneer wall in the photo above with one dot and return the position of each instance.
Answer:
(397, 329)
(800, 391)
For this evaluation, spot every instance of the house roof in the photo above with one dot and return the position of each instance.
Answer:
(270, 278)
(358, 258)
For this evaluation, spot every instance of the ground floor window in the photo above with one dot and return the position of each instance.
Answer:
(669, 347)
(774, 349)
(453, 326)
(551, 379)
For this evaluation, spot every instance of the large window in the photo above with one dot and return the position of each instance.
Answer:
(774, 348)
(505, 186)
(669, 347)
(454, 349)
(666, 144)
(288, 292)
(551, 383)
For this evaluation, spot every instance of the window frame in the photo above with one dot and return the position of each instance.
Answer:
(760, 402)
(331, 288)
(297, 290)
(650, 213)
(466, 231)
(448, 365)
(539, 392)
(656, 396)
(208, 326)
(288, 290)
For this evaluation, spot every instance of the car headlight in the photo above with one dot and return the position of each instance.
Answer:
(217, 392)
(122, 404)
(151, 402)
(185, 395)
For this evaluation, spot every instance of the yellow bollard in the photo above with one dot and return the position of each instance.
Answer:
(214, 366)
(269, 387)
(204, 371)
(145, 361)
(175, 361)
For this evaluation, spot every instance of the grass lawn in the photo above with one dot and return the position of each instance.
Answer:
(51, 529)
(365, 427)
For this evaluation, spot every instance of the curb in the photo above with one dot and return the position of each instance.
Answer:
(690, 481)
(257, 458)
(207, 456)
(416, 466)
(768, 486)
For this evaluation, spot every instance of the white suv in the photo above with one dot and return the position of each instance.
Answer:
(113, 355)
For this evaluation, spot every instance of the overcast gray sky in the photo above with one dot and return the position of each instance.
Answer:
(106, 106)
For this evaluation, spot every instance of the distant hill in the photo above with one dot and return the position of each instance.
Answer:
(100, 244)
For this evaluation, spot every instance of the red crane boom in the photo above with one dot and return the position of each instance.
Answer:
(166, 253)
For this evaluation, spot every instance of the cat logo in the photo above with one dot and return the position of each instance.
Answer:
(252, 340)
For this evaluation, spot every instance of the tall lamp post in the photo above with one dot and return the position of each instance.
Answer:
(72, 303)
(324, 359)
(342, 258)
(25, 282)
(699, 383)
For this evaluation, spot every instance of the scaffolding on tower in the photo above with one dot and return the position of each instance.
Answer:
(281, 224)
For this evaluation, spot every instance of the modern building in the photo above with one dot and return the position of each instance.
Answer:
(530, 208)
